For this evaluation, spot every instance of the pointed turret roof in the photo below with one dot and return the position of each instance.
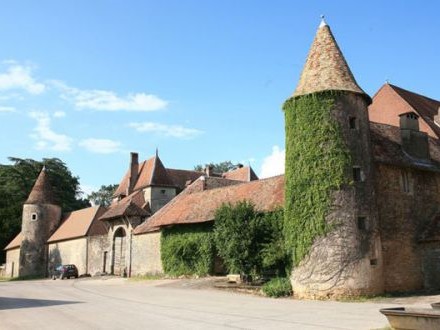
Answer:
(41, 192)
(326, 68)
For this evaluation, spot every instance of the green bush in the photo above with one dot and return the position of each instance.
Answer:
(250, 242)
(278, 287)
(317, 159)
(188, 249)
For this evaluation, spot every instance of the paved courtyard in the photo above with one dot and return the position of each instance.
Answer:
(113, 303)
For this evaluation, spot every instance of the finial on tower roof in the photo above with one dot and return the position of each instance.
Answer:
(387, 81)
(44, 168)
(157, 152)
(323, 22)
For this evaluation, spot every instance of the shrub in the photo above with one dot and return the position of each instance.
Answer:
(188, 249)
(278, 287)
(250, 242)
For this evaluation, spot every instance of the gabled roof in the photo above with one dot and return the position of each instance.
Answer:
(41, 192)
(266, 195)
(326, 68)
(387, 149)
(152, 172)
(424, 106)
(79, 224)
(180, 178)
(15, 243)
(245, 173)
(132, 205)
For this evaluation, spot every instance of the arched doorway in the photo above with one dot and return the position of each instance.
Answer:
(118, 249)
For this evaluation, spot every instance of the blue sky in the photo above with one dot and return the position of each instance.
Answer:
(204, 81)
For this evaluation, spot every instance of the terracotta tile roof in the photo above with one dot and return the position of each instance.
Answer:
(424, 106)
(266, 194)
(77, 224)
(15, 243)
(41, 192)
(245, 173)
(180, 178)
(210, 182)
(132, 205)
(326, 68)
(387, 148)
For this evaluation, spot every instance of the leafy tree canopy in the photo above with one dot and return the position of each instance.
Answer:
(218, 167)
(16, 182)
(103, 196)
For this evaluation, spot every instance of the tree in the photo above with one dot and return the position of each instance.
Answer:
(250, 242)
(103, 196)
(222, 167)
(16, 182)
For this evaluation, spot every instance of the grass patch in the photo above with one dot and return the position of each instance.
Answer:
(277, 287)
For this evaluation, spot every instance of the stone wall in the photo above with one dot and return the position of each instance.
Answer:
(347, 261)
(146, 254)
(404, 212)
(69, 252)
(99, 249)
(158, 196)
(38, 223)
(12, 262)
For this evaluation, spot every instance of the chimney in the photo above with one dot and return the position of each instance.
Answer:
(209, 170)
(414, 142)
(133, 171)
(437, 117)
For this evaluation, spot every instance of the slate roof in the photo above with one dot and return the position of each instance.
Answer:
(78, 224)
(424, 106)
(186, 208)
(245, 173)
(132, 205)
(387, 148)
(326, 68)
(42, 192)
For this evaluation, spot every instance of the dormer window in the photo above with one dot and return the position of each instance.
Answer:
(34, 216)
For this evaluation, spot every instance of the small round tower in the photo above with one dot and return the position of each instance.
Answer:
(41, 216)
(330, 207)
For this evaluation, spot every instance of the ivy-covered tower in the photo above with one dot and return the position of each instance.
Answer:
(41, 216)
(330, 208)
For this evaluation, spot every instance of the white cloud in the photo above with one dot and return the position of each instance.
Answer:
(274, 163)
(44, 135)
(176, 131)
(7, 109)
(59, 114)
(20, 77)
(104, 100)
(100, 146)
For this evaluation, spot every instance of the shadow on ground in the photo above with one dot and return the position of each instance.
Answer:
(17, 303)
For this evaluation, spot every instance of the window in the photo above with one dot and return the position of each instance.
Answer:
(352, 122)
(357, 174)
(406, 182)
(373, 262)
(362, 223)
(163, 191)
(34, 217)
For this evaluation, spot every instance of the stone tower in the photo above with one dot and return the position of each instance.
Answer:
(330, 208)
(41, 216)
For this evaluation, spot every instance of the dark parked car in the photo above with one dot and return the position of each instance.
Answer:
(65, 271)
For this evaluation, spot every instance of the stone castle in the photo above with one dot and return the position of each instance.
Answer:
(388, 233)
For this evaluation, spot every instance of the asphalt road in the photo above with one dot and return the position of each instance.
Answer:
(120, 304)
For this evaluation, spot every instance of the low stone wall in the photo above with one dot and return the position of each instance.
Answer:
(146, 257)
(12, 262)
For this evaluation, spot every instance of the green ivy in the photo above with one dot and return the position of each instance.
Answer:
(188, 249)
(316, 163)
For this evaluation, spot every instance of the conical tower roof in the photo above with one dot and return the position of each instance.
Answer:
(326, 68)
(41, 192)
